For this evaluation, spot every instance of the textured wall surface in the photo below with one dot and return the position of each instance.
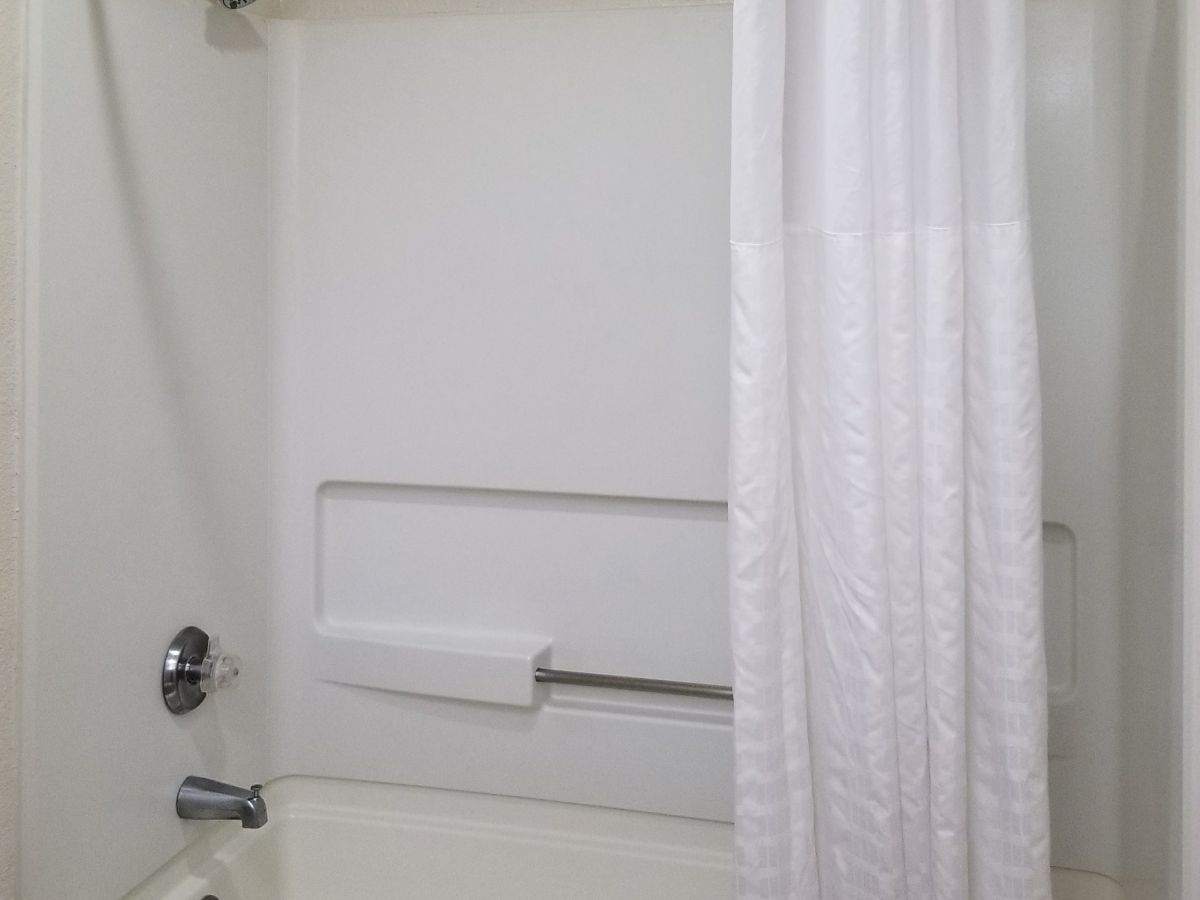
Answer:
(10, 105)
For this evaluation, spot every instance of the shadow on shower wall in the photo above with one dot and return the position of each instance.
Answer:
(1102, 139)
(179, 329)
(1150, 449)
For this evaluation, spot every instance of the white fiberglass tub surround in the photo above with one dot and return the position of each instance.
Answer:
(362, 841)
(456, 362)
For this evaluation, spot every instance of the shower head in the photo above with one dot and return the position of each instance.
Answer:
(236, 4)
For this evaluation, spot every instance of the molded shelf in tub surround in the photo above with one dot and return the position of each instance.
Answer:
(485, 667)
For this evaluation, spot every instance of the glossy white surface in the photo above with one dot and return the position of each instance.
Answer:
(461, 298)
(144, 460)
(498, 371)
(1102, 85)
(1186, 759)
(363, 841)
(11, 123)
(1071, 884)
(1074, 111)
(331, 838)
(351, 9)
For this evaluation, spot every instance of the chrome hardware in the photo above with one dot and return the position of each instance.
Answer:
(629, 683)
(235, 4)
(203, 798)
(195, 666)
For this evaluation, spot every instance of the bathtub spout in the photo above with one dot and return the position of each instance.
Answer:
(203, 798)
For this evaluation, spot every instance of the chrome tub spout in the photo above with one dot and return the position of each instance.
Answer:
(203, 798)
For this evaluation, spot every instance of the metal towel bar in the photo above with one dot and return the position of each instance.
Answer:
(628, 683)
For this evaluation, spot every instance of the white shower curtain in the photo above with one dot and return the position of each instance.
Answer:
(885, 459)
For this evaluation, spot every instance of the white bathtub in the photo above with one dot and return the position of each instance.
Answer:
(357, 841)
(344, 839)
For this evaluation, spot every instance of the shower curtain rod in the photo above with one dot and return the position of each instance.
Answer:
(630, 683)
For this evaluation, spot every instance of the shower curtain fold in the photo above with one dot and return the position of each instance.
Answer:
(885, 468)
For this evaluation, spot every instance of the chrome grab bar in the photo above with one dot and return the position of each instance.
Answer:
(629, 683)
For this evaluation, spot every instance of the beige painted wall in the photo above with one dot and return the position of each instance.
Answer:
(11, 34)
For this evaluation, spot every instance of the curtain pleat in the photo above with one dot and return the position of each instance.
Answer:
(885, 456)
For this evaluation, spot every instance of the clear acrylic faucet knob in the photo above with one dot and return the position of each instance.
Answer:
(219, 670)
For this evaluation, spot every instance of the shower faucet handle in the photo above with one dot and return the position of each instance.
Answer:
(218, 670)
(195, 666)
